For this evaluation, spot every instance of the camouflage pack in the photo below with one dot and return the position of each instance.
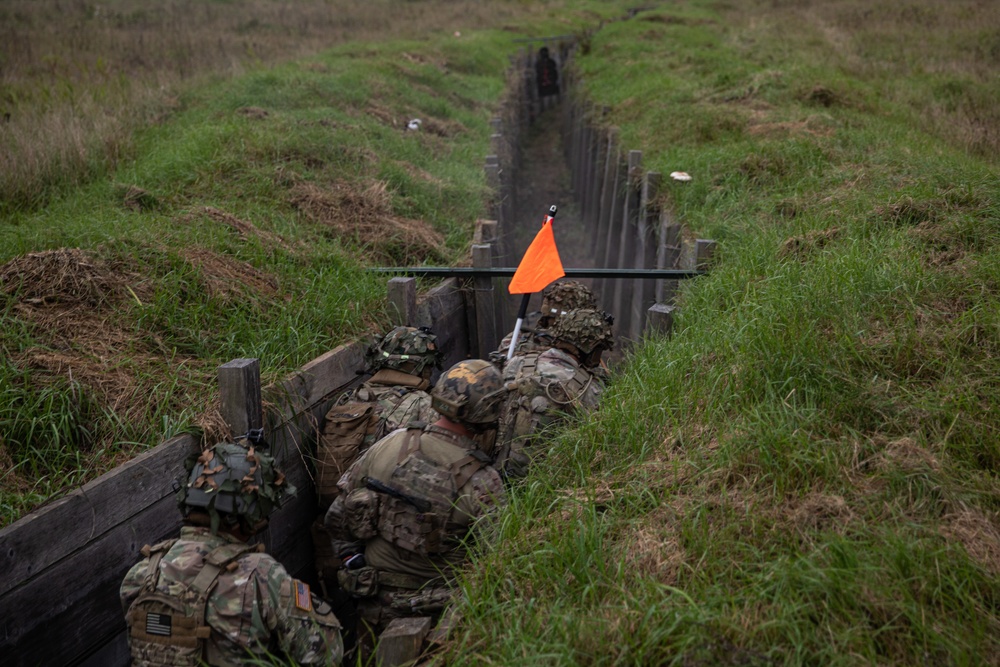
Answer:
(407, 349)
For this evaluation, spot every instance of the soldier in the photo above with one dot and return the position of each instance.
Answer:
(208, 597)
(545, 386)
(408, 503)
(558, 298)
(401, 363)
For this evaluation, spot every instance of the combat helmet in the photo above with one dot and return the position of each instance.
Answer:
(563, 296)
(406, 349)
(586, 329)
(471, 393)
(233, 483)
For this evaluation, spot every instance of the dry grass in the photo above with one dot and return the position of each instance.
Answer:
(362, 216)
(79, 78)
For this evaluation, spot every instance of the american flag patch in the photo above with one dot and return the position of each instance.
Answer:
(303, 599)
(158, 624)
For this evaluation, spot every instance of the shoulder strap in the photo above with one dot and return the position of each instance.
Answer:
(155, 555)
(410, 445)
(463, 469)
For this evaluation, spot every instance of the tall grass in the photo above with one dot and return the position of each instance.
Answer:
(79, 79)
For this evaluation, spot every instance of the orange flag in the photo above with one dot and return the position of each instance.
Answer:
(540, 264)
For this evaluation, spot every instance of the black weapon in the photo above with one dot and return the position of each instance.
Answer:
(421, 504)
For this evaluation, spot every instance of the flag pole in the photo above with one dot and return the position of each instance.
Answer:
(522, 310)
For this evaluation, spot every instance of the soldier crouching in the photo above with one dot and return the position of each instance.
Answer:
(407, 505)
(208, 597)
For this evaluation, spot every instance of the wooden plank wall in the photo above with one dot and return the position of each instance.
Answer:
(61, 566)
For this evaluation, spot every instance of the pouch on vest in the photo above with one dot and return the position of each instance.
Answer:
(339, 445)
(361, 512)
(407, 528)
(361, 583)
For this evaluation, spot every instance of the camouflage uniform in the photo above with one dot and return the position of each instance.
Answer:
(254, 608)
(546, 386)
(210, 597)
(396, 395)
(408, 503)
(558, 298)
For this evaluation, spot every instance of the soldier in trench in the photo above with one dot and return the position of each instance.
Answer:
(207, 596)
(547, 385)
(406, 508)
(401, 363)
(557, 299)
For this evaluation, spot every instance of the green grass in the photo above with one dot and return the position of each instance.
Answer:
(805, 473)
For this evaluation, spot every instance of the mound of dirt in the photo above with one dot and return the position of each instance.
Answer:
(67, 276)
(364, 217)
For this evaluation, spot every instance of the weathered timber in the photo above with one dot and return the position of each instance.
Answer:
(402, 293)
(239, 393)
(401, 642)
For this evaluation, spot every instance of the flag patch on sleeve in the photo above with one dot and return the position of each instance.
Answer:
(303, 598)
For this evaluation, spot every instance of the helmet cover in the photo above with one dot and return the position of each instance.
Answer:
(406, 349)
(585, 328)
(470, 392)
(566, 295)
(233, 482)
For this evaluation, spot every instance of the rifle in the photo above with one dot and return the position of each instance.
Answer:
(421, 504)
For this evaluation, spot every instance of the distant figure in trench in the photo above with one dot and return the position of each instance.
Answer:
(547, 78)
(546, 386)
(208, 597)
(406, 507)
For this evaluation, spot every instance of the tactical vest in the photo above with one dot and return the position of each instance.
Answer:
(355, 425)
(517, 416)
(165, 631)
(417, 480)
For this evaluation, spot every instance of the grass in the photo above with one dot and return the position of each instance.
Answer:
(805, 473)
(238, 223)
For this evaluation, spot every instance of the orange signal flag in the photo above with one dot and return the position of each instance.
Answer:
(540, 264)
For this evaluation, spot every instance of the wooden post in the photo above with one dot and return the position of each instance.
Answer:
(486, 323)
(660, 319)
(645, 257)
(401, 642)
(592, 200)
(403, 301)
(627, 242)
(704, 251)
(668, 256)
(239, 391)
(492, 170)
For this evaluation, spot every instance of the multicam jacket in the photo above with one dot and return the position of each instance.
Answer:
(548, 386)
(255, 607)
(448, 485)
